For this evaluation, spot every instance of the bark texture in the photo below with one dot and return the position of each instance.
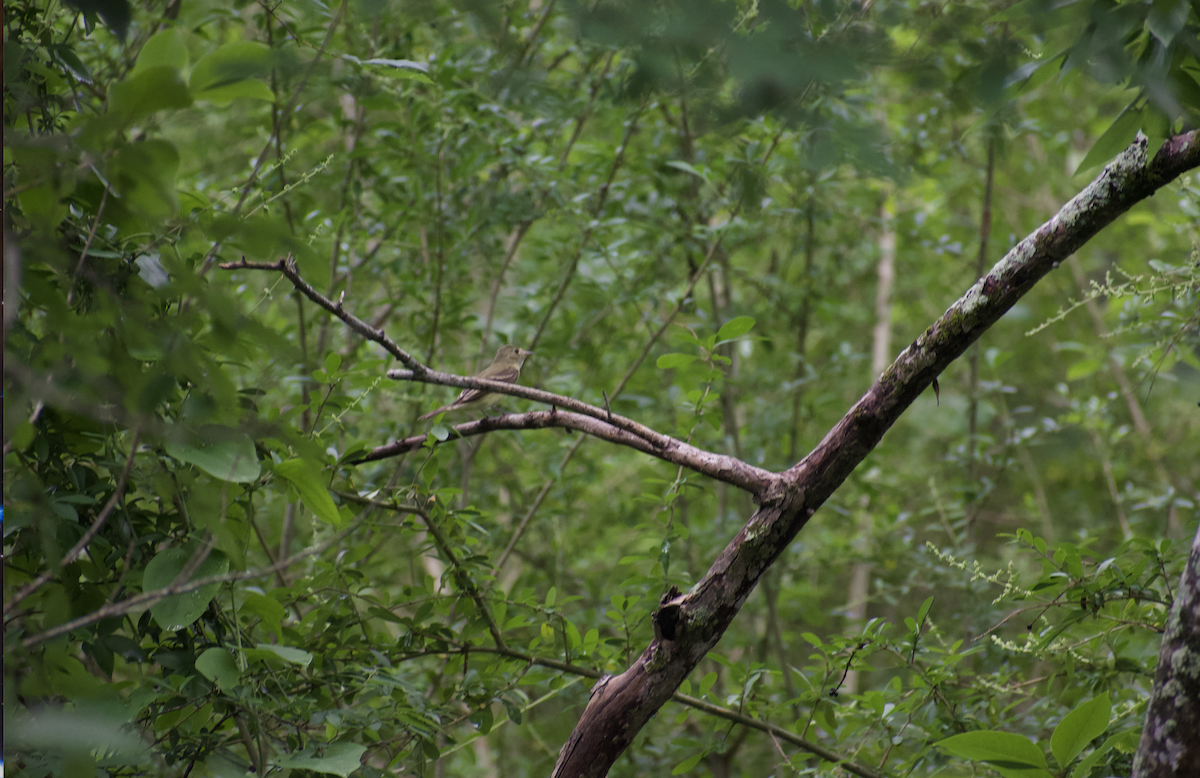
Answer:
(688, 625)
(1170, 745)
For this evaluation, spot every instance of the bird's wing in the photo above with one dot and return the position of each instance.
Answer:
(506, 374)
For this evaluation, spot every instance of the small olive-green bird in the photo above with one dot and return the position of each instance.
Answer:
(505, 367)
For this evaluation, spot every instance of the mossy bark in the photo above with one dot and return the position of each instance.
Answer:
(1170, 745)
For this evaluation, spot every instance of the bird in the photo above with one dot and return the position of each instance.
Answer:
(505, 367)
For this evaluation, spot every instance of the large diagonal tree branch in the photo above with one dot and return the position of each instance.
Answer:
(537, 395)
(688, 625)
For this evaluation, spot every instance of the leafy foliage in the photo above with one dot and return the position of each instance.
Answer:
(679, 207)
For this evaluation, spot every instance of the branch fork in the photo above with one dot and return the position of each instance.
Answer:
(564, 411)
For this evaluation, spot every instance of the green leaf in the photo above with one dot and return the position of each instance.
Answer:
(482, 719)
(143, 175)
(266, 608)
(1083, 368)
(1010, 754)
(573, 638)
(685, 167)
(404, 68)
(288, 654)
(223, 95)
(51, 728)
(707, 682)
(403, 64)
(115, 13)
(1167, 18)
(166, 47)
(154, 89)
(924, 610)
(1187, 89)
(688, 764)
(1128, 740)
(995, 357)
(180, 610)
(1079, 727)
(266, 234)
(43, 206)
(735, 328)
(228, 65)
(1114, 140)
(309, 481)
(221, 452)
(67, 57)
(668, 361)
(216, 664)
(513, 710)
(551, 596)
(335, 759)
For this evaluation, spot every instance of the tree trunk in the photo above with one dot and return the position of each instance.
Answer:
(881, 353)
(1170, 745)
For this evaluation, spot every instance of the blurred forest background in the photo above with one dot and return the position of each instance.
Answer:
(721, 218)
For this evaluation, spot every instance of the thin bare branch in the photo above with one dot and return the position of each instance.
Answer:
(721, 467)
(147, 599)
(287, 267)
(656, 439)
(693, 702)
(206, 265)
(91, 533)
(601, 199)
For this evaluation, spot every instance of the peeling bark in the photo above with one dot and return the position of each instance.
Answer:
(1170, 745)
(620, 706)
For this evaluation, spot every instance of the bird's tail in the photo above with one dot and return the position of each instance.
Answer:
(433, 413)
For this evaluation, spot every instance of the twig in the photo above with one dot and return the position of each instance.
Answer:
(88, 244)
(523, 228)
(464, 579)
(537, 503)
(656, 439)
(628, 373)
(601, 199)
(421, 373)
(83, 542)
(146, 599)
(721, 467)
(701, 705)
(287, 110)
(287, 267)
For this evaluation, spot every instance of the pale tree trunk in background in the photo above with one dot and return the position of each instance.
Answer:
(881, 349)
(484, 764)
(985, 234)
(881, 337)
(1170, 745)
